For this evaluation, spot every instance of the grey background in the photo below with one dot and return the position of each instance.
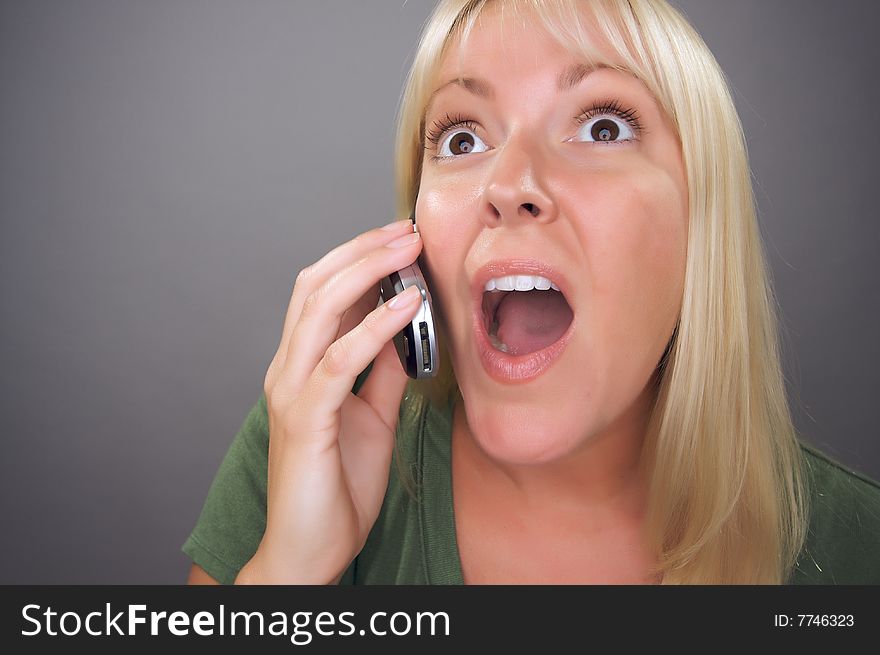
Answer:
(168, 167)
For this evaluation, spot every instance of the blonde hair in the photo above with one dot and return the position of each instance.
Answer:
(727, 492)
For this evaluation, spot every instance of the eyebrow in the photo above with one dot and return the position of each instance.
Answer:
(567, 78)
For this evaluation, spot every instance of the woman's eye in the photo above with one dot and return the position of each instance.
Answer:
(605, 129)
(461, 142)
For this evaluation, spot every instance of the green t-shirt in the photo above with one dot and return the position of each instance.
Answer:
(413, 540)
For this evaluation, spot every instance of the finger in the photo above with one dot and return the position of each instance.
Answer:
(321, 316)
(384, 386)
(312, 277)
(332, 379)
(356, 313)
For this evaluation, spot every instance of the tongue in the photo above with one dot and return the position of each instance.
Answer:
(532, 320)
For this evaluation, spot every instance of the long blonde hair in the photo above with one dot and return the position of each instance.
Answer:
(727, 495)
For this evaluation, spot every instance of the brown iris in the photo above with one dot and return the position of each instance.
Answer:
(463, 141)
(604, 130)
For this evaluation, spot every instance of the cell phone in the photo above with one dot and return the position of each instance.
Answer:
(416, 343)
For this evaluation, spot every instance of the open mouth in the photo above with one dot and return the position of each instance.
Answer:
(522, 316)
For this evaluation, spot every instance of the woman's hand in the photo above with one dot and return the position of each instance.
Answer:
(330, 450)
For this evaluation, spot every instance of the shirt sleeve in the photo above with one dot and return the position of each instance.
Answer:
(233, 518)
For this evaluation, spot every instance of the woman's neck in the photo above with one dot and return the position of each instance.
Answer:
(602, 474)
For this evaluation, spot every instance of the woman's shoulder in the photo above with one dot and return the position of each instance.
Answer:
(843, 542)
(830, 477)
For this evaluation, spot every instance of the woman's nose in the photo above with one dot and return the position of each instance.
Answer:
(516, 190)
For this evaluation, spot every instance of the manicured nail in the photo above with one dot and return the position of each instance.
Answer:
(405, 240)
(404, 299)
(395, 225)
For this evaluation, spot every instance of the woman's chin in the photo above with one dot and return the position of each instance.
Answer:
(520, 435)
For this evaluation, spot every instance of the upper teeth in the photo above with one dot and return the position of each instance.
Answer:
(520, 283)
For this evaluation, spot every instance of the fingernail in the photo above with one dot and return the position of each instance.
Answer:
(404, 299)
(405, 240)
(395, 225)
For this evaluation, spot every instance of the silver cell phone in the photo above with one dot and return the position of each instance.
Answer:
(416, 343)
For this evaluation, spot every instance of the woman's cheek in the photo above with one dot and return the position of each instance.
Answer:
(669, 239)
(437, 263)
(654, 226)
(446, 222)
(635, 240)
(659, 255)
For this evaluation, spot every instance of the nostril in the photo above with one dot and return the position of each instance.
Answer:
(532, 209)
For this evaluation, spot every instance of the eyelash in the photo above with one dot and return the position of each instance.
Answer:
(610, 106)
(445, 124)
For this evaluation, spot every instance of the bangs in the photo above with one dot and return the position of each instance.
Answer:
(598, 34)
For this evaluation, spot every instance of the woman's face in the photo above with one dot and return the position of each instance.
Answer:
(596, 206)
